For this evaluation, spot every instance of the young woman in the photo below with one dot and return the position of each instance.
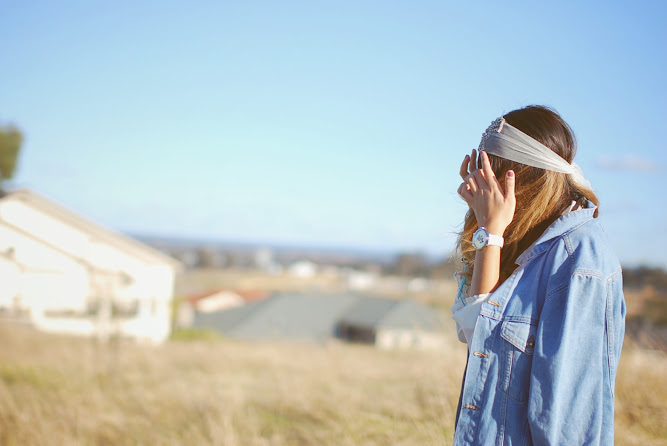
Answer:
(540, 300)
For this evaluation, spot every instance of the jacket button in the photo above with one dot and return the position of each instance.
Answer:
(531, 342)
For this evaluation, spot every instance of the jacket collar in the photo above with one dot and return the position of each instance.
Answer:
(562, 225)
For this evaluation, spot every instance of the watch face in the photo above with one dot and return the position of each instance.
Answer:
(480, 238)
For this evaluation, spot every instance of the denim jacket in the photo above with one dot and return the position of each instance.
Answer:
(542, 361)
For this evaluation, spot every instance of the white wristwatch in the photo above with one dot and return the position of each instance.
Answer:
(481, 239)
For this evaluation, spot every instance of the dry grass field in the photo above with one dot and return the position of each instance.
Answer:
(63, 391)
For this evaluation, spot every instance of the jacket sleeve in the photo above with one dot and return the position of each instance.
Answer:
(573, 366)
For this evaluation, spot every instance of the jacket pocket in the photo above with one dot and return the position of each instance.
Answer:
(517, 357)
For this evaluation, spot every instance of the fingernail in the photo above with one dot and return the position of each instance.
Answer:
(510, 173)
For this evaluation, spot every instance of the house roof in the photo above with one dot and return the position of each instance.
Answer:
(316, 316)
(246, 295)
(368, 311)
(408, 314)
(95, 231)
(226, 321)
(377, 312)
(285, 315)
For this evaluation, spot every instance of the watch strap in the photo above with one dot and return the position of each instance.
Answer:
(495, 240)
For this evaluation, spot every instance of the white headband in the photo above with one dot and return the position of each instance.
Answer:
(508, 142)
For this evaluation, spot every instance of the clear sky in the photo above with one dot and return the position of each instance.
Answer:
(335, 123)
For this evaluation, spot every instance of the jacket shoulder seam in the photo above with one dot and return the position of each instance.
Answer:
(615, 274)
(587, 272)
(569, 249)
(580, 272)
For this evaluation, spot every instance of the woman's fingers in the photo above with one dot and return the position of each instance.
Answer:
(484, 194)
(510, 182)
(487, 171)
(475, 180)
(464, 192)
(472, 183)
(486, 166)
(472, 162)
(480, 180)
(489, 175)
(464, 167)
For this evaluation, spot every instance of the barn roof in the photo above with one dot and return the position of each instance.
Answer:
(377, 312)
(316, 316)
(94, 230)
(285, 315)
(409, 314)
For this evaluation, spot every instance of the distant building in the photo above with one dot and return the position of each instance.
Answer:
(302, 268)
(361, 280)
(385, 323)
(66, 274)
(213, 301)
(391, 324)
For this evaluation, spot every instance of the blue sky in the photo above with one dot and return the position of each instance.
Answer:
(326, 123)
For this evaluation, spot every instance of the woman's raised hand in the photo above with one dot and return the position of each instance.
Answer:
(481, 190)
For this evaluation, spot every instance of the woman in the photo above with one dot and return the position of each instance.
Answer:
(540, 301)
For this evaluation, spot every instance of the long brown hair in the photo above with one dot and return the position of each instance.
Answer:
(541, 195)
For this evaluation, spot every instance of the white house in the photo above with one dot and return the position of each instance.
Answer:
(70, 275)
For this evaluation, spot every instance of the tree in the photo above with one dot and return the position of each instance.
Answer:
(10, 145)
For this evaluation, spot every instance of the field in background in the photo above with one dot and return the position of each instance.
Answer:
(58, 390)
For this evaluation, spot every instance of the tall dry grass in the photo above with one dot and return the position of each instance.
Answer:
(63, 391)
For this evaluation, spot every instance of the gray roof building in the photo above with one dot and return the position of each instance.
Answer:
(378, 312)
(318, 317)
